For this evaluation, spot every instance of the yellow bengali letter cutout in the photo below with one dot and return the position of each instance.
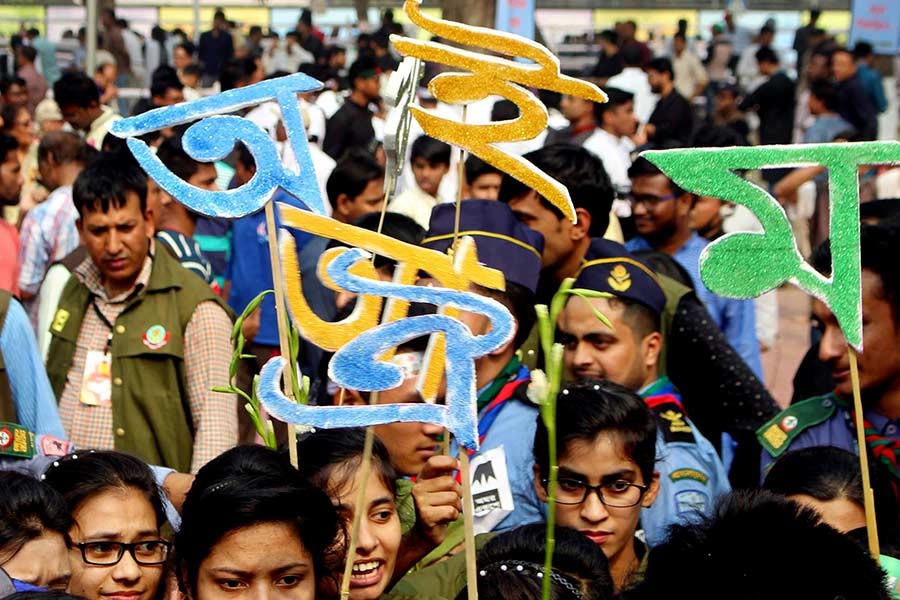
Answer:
(457, 272)
(491, 75)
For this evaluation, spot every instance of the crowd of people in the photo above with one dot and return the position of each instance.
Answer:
(130, 467)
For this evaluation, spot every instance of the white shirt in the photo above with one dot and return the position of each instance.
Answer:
(689, 73)
(614, 152)
(634, 80)
(415, 204)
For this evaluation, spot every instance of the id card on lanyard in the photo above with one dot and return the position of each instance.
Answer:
(96, 381)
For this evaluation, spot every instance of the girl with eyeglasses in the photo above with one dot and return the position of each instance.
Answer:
(116, 551)
(606, 445)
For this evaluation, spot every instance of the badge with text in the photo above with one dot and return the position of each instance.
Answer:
(96, 385)
(491, 492)
(15, 440)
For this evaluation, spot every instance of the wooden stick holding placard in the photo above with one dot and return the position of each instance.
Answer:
(468, 524)
(283, 320)
(868, 496)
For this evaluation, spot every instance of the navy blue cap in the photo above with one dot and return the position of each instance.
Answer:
(625, 277)
(502, 242)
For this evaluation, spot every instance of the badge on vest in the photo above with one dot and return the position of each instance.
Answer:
(15, 440)
(156, 337)
(491, 490)
(60, 320)
(96, 384)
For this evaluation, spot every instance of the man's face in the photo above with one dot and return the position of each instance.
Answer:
(656, 80)
(842, 66)
(79, 117)
(181, 58)
(725, 101)
(11, 179)
(118, 241)
(338, 60)
(170, 96)
(706, 215)
(368, 86)
(621, 119)
(428, 174)
(486, 187)
(205, 177)
(817, 68)
(679, 44)
(879, 363)
(656, 209)
(558, 243)
(369, 201)
(594, 351)
(16, 95)
(574, 108)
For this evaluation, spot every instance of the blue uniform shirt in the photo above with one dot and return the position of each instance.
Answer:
(736, 318)
(691, 474)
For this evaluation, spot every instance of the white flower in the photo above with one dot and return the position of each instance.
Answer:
(539, 387)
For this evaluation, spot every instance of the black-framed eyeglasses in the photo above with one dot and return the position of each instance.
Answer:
(106, 554)
(615, 494)
(648, 200)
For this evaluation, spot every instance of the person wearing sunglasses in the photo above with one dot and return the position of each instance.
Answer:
(116, 551)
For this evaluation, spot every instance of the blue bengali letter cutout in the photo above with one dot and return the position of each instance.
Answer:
(213, 137)
(356, 365)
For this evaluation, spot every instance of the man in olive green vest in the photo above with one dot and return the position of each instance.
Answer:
(138, 341)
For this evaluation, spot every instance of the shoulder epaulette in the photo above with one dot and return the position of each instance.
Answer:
(672, 422)
(776, 435)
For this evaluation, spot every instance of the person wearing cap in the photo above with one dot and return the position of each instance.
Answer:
(691, 475)
(729, 397)
(48, 117)
(506, 418)
(351, 126)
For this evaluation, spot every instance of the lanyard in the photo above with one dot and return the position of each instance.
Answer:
(106, 322)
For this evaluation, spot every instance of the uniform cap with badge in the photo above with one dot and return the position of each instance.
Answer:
(624, 277)
(503, 243)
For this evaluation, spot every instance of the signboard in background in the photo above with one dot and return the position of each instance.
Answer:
(516, 16)
(876, 22)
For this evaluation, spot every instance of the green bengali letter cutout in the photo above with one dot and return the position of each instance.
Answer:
(748, 264)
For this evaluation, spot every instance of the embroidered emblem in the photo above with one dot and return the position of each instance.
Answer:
(619, 279)
(156, 337)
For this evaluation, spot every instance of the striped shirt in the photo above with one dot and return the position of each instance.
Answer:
(207, 355)
(187, 251)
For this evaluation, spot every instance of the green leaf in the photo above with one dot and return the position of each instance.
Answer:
(596, 312)
(559, 299)
(222, 389)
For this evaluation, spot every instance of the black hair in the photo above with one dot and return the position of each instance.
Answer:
(716, 136)
(610, 36)
(663, 264)
(66, 147)
(661, 65)
(75, 88)
(641, 167)
(236, 72)
(766, 55)
(160, 85)
(397, 226)
(586, 409)
(580, 569)
(244, 156)
(879, 245)
(82, 475)
(432, 150)
(8, 144)
(329, 452)
(106, 182)
(254, 29)
(351, 175)
(733, 550)
(826, 93)
(475, 168)
(188, 47)
(192, 69)
(247, 486)
(640, 318)
(43, 595)
(583, 175)
(862, 49)
(10, 80)
(33, 32)
(880, 210)
(616, 98)
(680, 35)
(28, 508)
(173, 155)
(504, 110)
(8, 113)
(825, 473)
(631, 55)
(360, 67)
(30, 53)
(219, 14)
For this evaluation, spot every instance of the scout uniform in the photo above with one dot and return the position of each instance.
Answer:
(829, 421)
(506, 419)
(691, 475)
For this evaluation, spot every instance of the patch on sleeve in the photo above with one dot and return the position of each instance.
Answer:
(673, 424)
(691, 501)
(690, 474)
(776, 435)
